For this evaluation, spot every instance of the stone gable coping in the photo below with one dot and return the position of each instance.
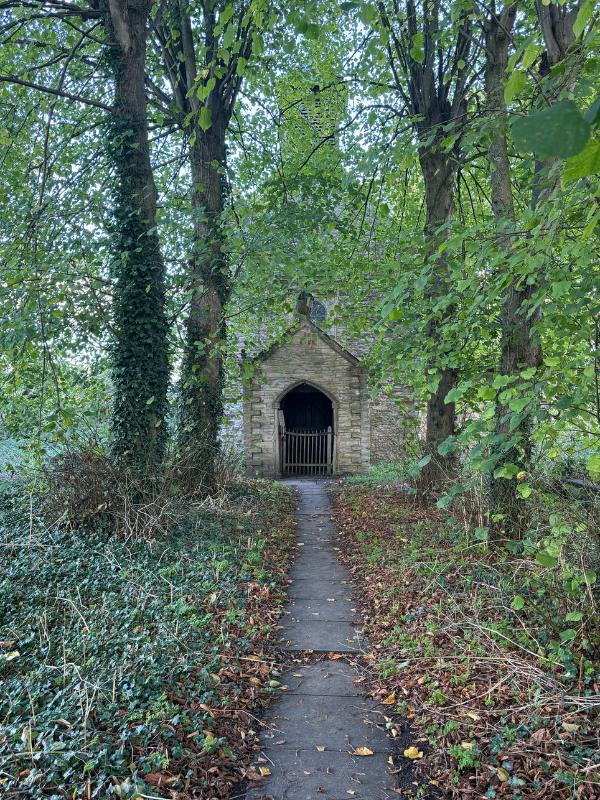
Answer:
(310, 326)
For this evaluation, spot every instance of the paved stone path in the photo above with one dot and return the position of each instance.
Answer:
(314, 728)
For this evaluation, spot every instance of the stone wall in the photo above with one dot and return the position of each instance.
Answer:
(394, 424)
(308, 356)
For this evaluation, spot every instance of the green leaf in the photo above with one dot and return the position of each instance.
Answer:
(593, 112)
(502, 380)
(583, 164)
(518, 603)
(506, 471)
(556, 132)
(368, 13)
(583, 17)
(524, 490)
(545, 559)
(531, 53)
(593, 465)
(444, 501)
(229, 36)
(456, 393)
(574, 616)
(417, 48)
(518, 403)
(568, 635)
(447, 446)
(205, 118)
(515, 84)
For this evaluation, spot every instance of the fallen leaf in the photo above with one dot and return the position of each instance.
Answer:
(467, 745)
(571, 727)
(264, 771)
(362, 751)
(12, 655)
(502, 774)
(413, 752)
(158, 779)
(389, 700)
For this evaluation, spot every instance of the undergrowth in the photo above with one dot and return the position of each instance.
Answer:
(493, 655)
(132, 667)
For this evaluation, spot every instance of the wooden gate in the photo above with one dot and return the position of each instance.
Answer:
(307, 452)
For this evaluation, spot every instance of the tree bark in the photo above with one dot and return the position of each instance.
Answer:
(519, 348)
(439, 172)
(434, 93)
(140, 363)
(202, 379)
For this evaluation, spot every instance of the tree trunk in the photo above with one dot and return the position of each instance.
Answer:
(140, 364)
(438, 174)
(202, 379)
(518, 348)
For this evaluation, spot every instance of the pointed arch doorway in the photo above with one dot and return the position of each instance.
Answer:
(306, 418)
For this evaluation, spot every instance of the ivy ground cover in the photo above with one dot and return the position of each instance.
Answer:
(133, 668)
(470, 646)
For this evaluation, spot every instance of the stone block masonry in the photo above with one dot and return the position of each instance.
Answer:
(365, 431)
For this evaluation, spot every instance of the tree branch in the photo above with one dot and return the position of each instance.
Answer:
(57, 92)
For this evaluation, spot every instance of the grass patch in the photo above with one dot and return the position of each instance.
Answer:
(388, 472)
(129, 667)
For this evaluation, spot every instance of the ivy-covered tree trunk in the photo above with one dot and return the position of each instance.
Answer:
(140, 364)
(205, 53)
(439, 172)
(202, 378)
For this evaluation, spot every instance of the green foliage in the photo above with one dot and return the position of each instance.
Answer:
(556, 132)
(110, 646)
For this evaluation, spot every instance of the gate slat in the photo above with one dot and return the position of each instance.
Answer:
(307, 452)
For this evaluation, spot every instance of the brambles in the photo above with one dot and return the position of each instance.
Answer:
(494, 655)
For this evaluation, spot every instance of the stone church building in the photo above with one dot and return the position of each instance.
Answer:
(308, 410)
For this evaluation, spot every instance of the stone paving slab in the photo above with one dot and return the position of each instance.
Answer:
(324, 559)
(311, 775)
(320, 541)
(321, 608)
(336, 722)
(319, 568)
(322, 636)
(325, 677)
(313, 588)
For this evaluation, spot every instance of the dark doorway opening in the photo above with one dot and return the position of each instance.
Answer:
(306, 432)
(307, 409)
